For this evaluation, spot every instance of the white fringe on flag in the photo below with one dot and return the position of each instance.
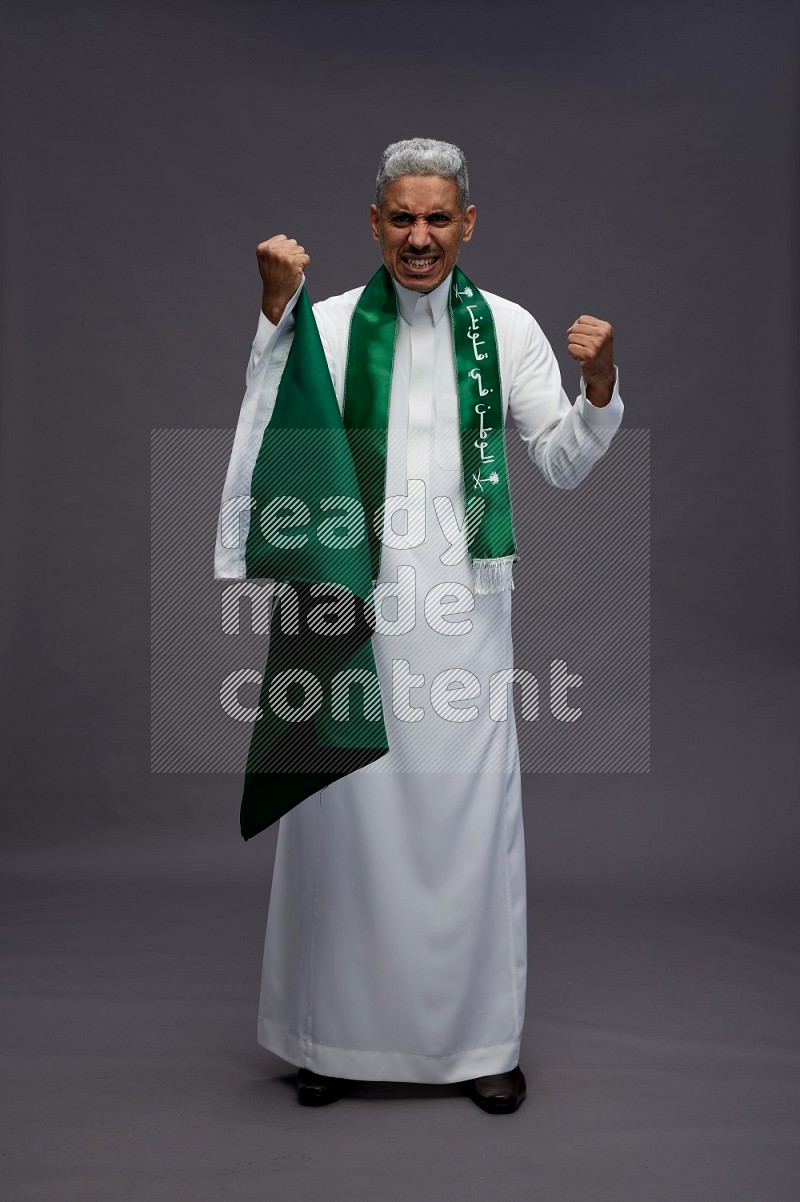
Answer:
(493, 575)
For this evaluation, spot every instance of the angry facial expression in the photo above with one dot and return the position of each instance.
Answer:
(420, 227)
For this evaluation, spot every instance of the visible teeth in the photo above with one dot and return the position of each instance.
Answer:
(420, 262)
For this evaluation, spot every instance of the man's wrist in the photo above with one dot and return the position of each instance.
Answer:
(273, 310)
(599, 390)
(274, 305)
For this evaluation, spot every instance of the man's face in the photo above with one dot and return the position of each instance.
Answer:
(420, 228)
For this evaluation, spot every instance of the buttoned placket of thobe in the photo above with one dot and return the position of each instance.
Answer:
(412, 411)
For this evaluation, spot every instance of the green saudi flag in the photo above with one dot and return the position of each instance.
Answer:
(320, 713)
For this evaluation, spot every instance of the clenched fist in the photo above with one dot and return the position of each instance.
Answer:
(281, 261)
(591, 342)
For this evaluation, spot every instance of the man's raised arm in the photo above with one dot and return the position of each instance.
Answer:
(591, 342)
(281, 263)
(565, 440)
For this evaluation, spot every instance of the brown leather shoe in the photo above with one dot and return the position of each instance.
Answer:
(501, 1093)
(316, 1090)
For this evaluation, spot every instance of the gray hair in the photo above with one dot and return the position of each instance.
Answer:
(424, 156)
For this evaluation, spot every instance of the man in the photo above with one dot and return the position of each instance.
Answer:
(396, 936)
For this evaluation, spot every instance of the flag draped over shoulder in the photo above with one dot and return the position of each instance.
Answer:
(320, 713)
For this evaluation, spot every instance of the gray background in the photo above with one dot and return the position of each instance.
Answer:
(637, 164)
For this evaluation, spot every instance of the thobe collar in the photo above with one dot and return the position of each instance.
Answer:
(407, 300)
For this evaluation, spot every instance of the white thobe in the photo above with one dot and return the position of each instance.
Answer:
(396, 935)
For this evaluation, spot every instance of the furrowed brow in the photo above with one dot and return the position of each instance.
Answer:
(426, 216)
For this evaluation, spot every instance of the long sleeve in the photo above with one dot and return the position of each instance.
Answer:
(267, 359)
(267, 334)
(262, 344)
(563, 440)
